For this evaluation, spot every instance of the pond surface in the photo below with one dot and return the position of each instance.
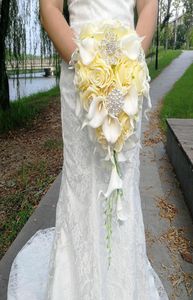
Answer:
(29, 86)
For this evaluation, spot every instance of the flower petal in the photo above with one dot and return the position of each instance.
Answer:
(96, 115)
(87, 48)
(114, 183)
(94, 106)
(130, 45)
(111, 129)
(131, 102)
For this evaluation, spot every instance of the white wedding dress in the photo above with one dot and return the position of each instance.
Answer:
(69, 261)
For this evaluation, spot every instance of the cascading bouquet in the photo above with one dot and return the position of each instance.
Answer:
(111, 75)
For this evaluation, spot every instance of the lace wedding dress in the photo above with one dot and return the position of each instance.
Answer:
(69, 261)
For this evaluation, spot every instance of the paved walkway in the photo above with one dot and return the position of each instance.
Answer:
(157, 182)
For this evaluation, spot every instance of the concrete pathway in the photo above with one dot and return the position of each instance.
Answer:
(157, 181)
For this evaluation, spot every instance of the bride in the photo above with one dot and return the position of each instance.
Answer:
(97, 249)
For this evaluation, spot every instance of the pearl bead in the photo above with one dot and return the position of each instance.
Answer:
(110, 48)
(114, 102)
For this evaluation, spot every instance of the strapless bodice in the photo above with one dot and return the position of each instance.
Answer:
(82, 11)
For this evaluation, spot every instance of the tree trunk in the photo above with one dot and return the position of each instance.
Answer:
(175, 33)
(4, 85)
(166, 38)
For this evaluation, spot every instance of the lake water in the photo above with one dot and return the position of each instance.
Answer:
(29, 85)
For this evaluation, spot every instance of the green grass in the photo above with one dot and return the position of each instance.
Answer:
(165, 58)
(178, 103)
(24, 110)
(16, 217)
(27, 187)
(53, 144)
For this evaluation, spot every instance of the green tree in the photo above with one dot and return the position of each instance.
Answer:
(4, 25)
(14, 16)
(181, 36)
(188, 20)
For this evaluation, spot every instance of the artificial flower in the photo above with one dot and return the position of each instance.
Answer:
(130, 45)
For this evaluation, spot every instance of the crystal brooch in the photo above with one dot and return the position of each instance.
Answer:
(110, 48)
(114, 102)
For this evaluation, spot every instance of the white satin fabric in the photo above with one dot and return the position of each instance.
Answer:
(82, 11)
(69, 261)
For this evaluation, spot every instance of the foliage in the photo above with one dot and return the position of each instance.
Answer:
(19, 44)
(188, 22)
(181, 36)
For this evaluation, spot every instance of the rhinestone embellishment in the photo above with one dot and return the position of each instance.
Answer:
(110, 48)
(114, 102)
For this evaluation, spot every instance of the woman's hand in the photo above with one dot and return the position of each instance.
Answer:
(53, 21)
(147, 17)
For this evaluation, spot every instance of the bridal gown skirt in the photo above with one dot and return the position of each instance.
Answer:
(69, 261)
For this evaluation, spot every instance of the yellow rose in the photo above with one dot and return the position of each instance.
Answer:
(100, 74)
(88, 94)
(101, 138)
(138, 77)
(126, 131)
(81, 76)
(124, 71)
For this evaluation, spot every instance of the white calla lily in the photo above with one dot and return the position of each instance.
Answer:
(87, 49)
(111, 128)
(97, 112)
(114, 183)
(94, 106)
(131, 102)
(130, 45)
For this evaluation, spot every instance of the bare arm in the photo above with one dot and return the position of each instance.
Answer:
(147, 16)
(58, 30)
